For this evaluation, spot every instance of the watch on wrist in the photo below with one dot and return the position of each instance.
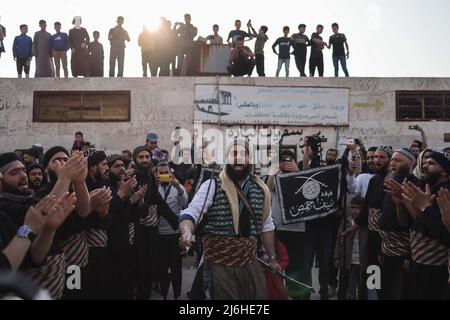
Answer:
(26, 233)
(273, 258)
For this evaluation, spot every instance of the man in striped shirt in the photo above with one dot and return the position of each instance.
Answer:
(95, 225)
(430, 240)
(395, 245)
(70, 236)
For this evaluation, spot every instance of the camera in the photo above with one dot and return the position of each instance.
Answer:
(315, 140)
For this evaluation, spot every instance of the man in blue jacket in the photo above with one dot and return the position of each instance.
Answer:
(22, 51)
(59, 43)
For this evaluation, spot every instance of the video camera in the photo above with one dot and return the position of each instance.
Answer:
(315, 140)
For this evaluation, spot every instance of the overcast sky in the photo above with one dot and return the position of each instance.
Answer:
(387, 38)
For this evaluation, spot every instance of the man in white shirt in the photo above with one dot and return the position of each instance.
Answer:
(237, 209)
(174, 194)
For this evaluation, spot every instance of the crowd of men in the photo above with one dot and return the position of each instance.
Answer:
(168, 50)
(126, 220)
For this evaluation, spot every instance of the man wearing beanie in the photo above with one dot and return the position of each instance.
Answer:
(150, 209)
(430, 240)
(370, 215)
(395, 244)
(15, 201)
(237, 208)
(98, 270)
(58, 164)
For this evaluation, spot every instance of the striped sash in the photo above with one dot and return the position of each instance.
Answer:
(374, 219)
(76, 250)
(131, 233)
(395, 243)
(231, 252)
(427, 251)
(51, 275)
(96, 238)
(151, 219)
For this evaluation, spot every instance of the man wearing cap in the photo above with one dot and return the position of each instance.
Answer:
(150, 209)
(152, 144)
(16, 200)
(95, 225)
(237, 208)
(395, 243)
(430, 239)
(35, 175)
(370, 215)
(70, 236)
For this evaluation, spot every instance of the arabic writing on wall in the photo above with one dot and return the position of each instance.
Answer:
(272, 105)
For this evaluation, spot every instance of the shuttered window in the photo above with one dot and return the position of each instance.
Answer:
(81, 106)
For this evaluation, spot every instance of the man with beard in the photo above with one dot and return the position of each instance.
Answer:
(358, 183)
(429, 239)
(150, 209)
(370, 215)
(395, 244)
(30, 157)
(18, 246)
(70, 236)
(95, 225)
(331, 157)
(16, 200)
(35, 177)
(123, 228)
(237, 206)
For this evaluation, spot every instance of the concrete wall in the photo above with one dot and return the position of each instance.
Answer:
(161, 104)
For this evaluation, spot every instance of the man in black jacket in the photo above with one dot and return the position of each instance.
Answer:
(430, 239)
(395, 243)
(123, 228)
(150, 209)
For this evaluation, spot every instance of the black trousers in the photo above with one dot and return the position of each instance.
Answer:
(147, 262)
(393, 278)
(23, 64)
(316, 61)
(300, 62)
(428, 282)
(197, 292)
(169, 257)
(260, 65)
(124, 273)
(241, 69)
(117, 53)
(98, 273)
(148, 63)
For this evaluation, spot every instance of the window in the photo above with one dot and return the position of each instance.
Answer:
(423, 105)
(81, 106)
